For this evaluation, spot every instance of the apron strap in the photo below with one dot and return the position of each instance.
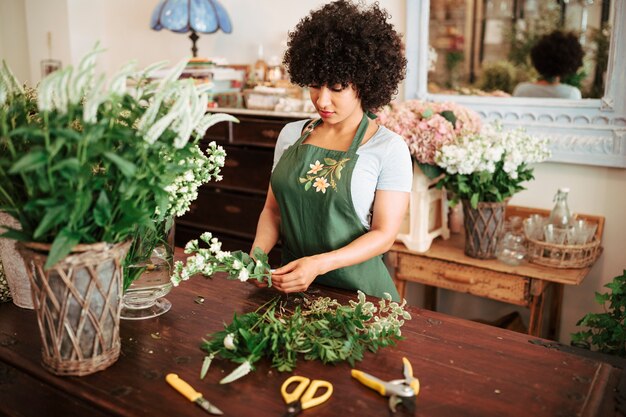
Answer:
(307, 130)
(360, 133)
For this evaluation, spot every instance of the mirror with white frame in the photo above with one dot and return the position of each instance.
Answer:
(590, 131)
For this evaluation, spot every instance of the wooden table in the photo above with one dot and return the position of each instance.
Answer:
(465, 368)
(445, 265)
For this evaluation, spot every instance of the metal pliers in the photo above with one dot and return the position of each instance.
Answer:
(399, 391)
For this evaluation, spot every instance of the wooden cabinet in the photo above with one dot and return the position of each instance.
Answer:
(230, 208)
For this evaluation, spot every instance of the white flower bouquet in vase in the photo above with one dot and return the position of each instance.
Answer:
(426, 127)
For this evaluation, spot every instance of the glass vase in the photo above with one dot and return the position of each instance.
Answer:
(147, 273)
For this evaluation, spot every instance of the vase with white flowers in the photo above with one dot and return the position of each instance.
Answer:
(426, 127)
(149, 263)
(484, 170)
(85, 163)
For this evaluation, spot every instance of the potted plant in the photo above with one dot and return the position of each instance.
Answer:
(84, 164)
(484, 170)
(606, 331)
(426, 127)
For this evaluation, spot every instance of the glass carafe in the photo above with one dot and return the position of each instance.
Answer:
(560, 215)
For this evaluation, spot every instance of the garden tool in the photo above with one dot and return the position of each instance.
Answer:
(191, 394)
(303, 395)
(399, 391)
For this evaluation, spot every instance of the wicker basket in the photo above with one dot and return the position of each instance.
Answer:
(563, 256)
(78, 304)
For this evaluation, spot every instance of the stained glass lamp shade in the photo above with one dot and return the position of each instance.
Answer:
(195, 16)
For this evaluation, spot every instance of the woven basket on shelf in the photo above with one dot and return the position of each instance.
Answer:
(563, 256)
(78, 304)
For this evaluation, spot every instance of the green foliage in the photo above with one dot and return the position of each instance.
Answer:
(321, 329)
(486, 186)
(606, 332)
(498, 75)
(80, 163)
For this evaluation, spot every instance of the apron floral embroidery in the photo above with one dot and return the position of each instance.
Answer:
(320, 174)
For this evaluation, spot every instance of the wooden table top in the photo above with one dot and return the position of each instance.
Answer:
(465, 368)
(453, 250)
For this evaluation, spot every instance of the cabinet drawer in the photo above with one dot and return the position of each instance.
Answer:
(227, 212)
(230, 243)
(219, 133)
(483, 283)
(259, 131)
(246, 169)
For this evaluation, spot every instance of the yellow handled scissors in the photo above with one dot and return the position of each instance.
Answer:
(303, 395)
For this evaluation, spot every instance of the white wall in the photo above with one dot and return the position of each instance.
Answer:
(13, 37)
(123, 28)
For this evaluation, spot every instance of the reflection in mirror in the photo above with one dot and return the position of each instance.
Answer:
(482, 47)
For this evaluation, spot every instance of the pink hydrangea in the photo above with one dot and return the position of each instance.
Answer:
(423, 127)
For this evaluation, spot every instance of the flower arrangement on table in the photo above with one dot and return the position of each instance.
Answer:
(484, 170)
(490, 166)
(87, 161)
(427, 126)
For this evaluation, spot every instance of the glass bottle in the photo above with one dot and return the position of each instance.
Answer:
(260, 67)
(560, 215)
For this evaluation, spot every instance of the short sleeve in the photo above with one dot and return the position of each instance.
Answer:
(396, 172)
(289, 134)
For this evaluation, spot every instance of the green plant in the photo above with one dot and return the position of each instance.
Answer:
(320, 329)
(606, 332)
(498, 75)
(85, 161)
(491, 165)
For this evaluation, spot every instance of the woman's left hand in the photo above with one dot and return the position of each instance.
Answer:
(296, 276)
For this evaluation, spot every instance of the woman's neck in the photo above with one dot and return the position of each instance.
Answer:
(549, 81)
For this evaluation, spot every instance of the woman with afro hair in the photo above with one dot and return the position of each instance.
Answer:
(340, 183)
(555, 56)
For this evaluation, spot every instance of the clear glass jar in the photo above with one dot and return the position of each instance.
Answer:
(560, 215)
(512, 248)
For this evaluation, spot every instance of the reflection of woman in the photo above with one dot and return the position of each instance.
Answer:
(555, 56)
(340, 184)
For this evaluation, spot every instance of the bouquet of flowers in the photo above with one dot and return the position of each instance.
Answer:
(427, 126)
(491, 165)
(83, 160)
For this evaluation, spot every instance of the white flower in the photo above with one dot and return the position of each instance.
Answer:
(222, 255)
(243, 275)
(206, 237)
(237, 265)
(229, 341)
(191, 246)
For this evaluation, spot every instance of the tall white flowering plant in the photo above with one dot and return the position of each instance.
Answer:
(490, 166)
(84, 159)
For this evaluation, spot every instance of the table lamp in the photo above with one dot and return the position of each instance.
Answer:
(182, 16)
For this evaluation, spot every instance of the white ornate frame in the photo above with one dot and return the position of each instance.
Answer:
(588, 131)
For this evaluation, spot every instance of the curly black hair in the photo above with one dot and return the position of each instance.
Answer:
(557, 54)
(345, 43)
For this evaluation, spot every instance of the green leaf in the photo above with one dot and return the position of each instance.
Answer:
(61, 247)
(307, 186)
(338, 172)
(427, 113)
(329, 161)
(474, 200)
(449, 116)
(53, 217)
(18, 235)
(29, 162)
(302, 180)
(102, 210)
(127, 168)
(431, 171)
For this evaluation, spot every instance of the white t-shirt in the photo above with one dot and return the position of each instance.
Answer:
(546, 91)
(384, 164)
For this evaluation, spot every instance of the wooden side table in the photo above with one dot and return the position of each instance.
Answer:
(446, 266)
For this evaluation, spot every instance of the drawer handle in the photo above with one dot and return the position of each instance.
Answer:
(231, 163)
(269, 133)
(457, 279)
(232, 209)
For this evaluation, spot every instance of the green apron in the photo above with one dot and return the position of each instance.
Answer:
(312, 188)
